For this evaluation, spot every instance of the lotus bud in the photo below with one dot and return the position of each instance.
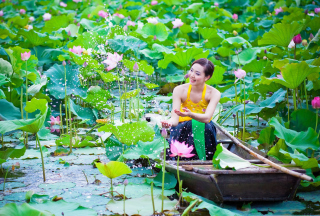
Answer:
(69, 33)
(135, 67)
(64, 63)
(175, 45)
(236, 52)
(233, 115)
(155, 37)
(174, 7)
(125, 182)
(315, 103)
(297, 39)
(181, 8)
(78, 24)
(247, 101)
(235, 33)
(265, 51)
(164, 133)
(196, 22)
(306, 11)
(311, 36)
(265, 58)
(186, 76)
(75, 21)
(304, 42)
(313, 2)
(85, 64)
(185, 43)
(89, 15)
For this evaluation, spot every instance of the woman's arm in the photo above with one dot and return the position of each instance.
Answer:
(205, 118)
(176, 103)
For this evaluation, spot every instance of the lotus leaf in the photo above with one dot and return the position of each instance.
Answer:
(170, 180)
(302, 119)
(130, 94)
(107, 77)
(223, 158)
(98, 97)
(9, 111)
(143, 66)
(86, 40)
(275, 151)
(130, 134)
(301, 160)
(83, 112)
(114, 148)
(236, 41)
(296, 140)
(217, 76)
(12, 153)
(5, 67)
(247, 55)
(25, 209)
(122, 44)
(158, 30)
(37, 86)
(113, 169)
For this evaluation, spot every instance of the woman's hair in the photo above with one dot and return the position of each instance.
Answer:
(206, 64)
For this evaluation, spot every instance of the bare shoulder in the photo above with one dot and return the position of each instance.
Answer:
(212, 93)
(181, 88)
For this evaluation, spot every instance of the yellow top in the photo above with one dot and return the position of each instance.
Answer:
(199, 107)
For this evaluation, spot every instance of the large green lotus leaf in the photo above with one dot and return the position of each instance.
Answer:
(275, 151)
(247, 55)
(161, 48)
(152, 54)
(34, 89)
(45, 134)
(130, 133)
(83, 113)
(277, 97)
(314, 43)
(183, 58)
(56, 84)
(122, 44)
(159, 30)
(141, 206)
(296, 140)
(255, 66)
(86, 40)
(9, 111)
(217, 76)
(98, 97)
(301, 160)
(130, 94)
(73, 29)
(16, 152)
(143, 66)
(15, 58)
(80, 60)
(266, 138)
(194, 7)
(67, 208)
(214, 209)
(114, 148)
(35, 38)
(146, 149)
(18, 20)
(65, 140)
(5, 67)
(170, 180)
(237, 41)
(3, 78)
(302, 119)
(107, 77)
(13, 209)
(295, 73)
(5, 32)
(223, 158)
(46, 54)
(55, 23)
(113, 169)
(281, 34)
(88, 24)
(225, 51)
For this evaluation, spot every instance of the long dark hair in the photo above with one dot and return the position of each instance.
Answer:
(207, 64)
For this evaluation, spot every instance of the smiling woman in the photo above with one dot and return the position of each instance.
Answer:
(193, 106)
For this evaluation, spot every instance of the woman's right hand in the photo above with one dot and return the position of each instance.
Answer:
(166, 123)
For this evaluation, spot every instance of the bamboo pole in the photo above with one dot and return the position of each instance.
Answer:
(263, 159)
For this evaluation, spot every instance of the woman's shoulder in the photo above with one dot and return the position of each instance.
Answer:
(182, 87)
(213, 92)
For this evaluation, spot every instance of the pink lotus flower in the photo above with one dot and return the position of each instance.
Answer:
(112, 60)
(278, 10)
(279, 76)
(180, 149)
(177, 23)
(76, 1)
(152, 20)
(164, 132)
(54, 128)
(154, 2)
(216, 4)
(46, 17)
(235, 17)
(317, 10)
(103, 14)
(316, 103)
(54, 121)
(297, 39)
(31, 19)
(62, 4)
(121, 16)
(240, 74)
(125, 28)
(1, 13)
(76, 49)
(25, 56)
(130, 23)
(22, 11)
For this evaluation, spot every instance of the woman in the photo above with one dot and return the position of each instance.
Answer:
(192, 109)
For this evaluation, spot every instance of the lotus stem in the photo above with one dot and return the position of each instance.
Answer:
(5, 177)
(288, 104)
(26, 97)
(163, 170)
(178, 176)
(85, 176)
(21, 106)
(61, 124)
(305, 92)
(130, 107)
(150, 165)
(152, 199)
(70, 125)
(120, 94)
(244, 111)
(138, 109)
(124, 200)
(43, 169)
(111, 189)
(188, 209)
(294, 99)
(65, 97)
(315, 128)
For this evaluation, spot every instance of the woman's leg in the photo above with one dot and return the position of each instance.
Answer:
(211, 140)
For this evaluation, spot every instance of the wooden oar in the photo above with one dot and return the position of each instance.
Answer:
(263, 159)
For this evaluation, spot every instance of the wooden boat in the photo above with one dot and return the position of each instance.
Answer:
(248, 184)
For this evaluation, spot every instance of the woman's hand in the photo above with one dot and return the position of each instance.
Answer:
(186, 112)
(166, 123)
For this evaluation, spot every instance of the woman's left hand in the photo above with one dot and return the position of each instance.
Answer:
(186, 112)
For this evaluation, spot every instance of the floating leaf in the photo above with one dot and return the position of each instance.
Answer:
(113, 169)
(24, 209)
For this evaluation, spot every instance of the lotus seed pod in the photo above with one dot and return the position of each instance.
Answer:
(304, 42)
(235, 33)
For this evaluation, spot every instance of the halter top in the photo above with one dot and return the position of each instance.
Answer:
(199, 107)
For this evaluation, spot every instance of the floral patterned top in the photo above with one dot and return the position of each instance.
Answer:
(199, 107)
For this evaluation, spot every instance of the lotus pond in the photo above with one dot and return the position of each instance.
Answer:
(80, 78)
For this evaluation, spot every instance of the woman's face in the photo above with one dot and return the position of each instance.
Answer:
(197, 75)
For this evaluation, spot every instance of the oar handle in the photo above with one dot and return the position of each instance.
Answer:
(263, 159)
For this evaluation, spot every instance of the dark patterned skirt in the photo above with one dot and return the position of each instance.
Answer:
(183, 133)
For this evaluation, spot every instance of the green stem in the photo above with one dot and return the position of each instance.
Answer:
(125, 100)
(150, 165)
(61, 124)
(138, 98)
(124, 201)
(70, 126)
(305, 92)
(85, 176)
(43, 169)
(178, 176)
(5, 177)
(288, 104)
(163, 170)
(315, 129)
(244, 111)
(294, 99)
(188, 209)
(65, 98)
(154, 210)
(21, 106)
(111, 189)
